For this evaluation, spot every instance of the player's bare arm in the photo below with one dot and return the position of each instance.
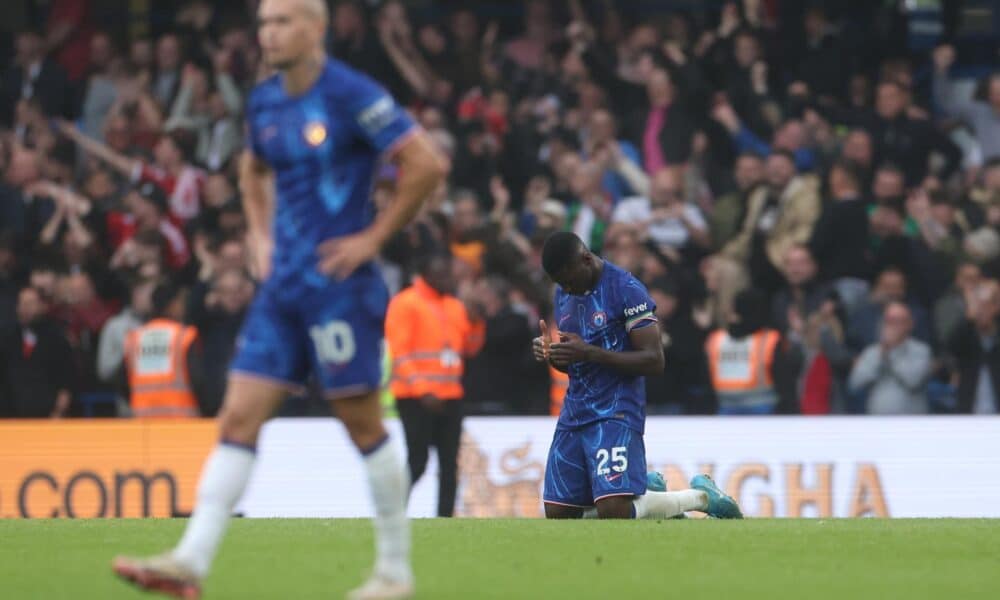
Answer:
(645, 359)
(422, 168)
(257, 191)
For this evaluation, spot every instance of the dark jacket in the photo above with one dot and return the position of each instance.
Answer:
(503, 377)
(966, 347)
(840, 222)
(33, 375)
(217, 333)
(51, 89)
(813, 295)
(685, 379)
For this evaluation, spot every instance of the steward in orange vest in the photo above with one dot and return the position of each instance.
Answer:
(160, 358)
(429, 331)
(741, 359)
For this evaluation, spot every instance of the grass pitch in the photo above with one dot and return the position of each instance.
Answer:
(515, 559)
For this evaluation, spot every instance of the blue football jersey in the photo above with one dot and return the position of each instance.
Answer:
(323, 146)
(604, 317)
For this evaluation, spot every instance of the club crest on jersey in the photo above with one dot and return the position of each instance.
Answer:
(315, 133)
(599, 319)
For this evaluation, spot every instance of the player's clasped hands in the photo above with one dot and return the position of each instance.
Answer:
(569, 349)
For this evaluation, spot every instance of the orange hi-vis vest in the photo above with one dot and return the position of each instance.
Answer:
(428, 335)
(156, 359)
(558, 381)
(741, 368)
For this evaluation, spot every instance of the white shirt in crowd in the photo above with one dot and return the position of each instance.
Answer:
(669, 231)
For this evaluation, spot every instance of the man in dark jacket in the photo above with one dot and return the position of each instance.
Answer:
(976, 349)
(218, 319)
(906, 141)
(845, 217)
(36, 362)
(503, 377)
(34, 77)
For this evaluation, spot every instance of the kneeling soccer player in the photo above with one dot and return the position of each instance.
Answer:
(608, 340)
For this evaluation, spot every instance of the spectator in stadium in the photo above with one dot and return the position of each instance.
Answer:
(676, 227)
(858, 149)
(790, 137)
(974, 346)
(100, 90)
(164, 361)
(167, 69)
(33, 76)
(218, 323)
(38, 368)
(894, 370)
(83, 313)
(803, 292)
(684, 387)
(778, 215)
(428, 332)
(729, 209)
(134, 120)
(844, 217)
(147, 214)
(865, 321)
(589, 211)
(904, 140)
(170, 171)
(10, 274)
(68, 32)
(111, 347)
(742, 357)
(210, 113)
(983, 116)
(502, 378)
(950, 309)
(622, 175)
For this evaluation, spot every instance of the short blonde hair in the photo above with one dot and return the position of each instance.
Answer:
(318, 8)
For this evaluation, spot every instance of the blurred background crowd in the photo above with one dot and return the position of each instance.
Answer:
(819, 176)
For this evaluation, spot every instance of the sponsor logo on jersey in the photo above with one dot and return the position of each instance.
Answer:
(315, 133)
(378, 115)
(637, 310)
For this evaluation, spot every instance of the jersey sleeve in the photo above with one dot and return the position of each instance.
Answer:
(638, 307)
(379, 120)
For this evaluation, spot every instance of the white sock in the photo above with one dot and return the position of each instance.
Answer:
(590, 513)
(223, 480)
(389, 481)
(664, 505)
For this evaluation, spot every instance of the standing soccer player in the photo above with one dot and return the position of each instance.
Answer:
(608, 339)
(317, 130)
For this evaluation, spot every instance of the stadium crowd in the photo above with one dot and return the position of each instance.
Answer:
(810, 195)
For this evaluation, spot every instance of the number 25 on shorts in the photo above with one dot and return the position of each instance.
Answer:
(618, 458)
(334, 342)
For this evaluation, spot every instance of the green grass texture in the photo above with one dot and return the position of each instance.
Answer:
(304, 559)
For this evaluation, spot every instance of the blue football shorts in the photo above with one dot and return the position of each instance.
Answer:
(585, 464)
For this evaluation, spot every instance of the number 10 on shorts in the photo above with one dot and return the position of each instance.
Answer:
(334, 342)
(617, 457)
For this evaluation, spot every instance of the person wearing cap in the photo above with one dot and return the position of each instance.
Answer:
(162, 360)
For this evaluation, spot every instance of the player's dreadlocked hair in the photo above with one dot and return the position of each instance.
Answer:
(561, 248)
